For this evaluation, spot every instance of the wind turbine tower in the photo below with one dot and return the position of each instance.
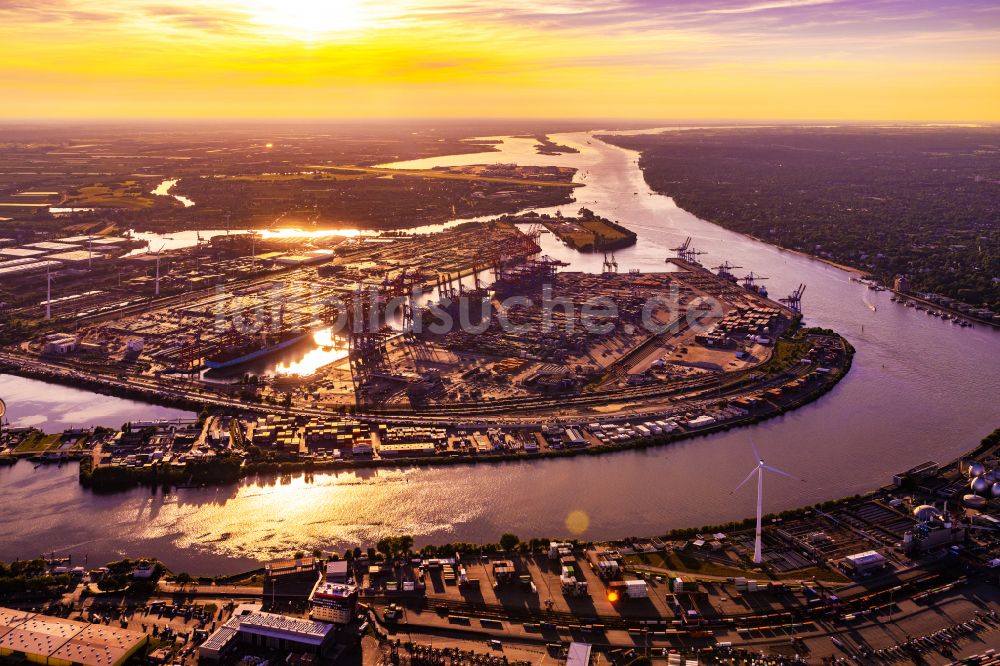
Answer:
(759, 471)
(158, 268)
(48, 293)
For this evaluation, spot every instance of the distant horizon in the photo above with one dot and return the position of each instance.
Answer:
(635, 123)
(908, 61)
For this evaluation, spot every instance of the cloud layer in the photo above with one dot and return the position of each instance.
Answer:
(885, 59)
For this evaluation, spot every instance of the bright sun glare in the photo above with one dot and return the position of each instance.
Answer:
(308, 20)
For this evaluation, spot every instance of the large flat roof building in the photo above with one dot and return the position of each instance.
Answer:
(99, 644)
(21, 252)
(865, 562)
(337, 571)
(15, 267)
(270, 631)
(24, 265)
(76, 257)
(291, 566)
(59, 642)
(75, 240)
(52, 246)
(108, 240)
(215, 646)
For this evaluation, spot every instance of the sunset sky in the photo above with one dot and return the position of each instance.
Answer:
(712, 59)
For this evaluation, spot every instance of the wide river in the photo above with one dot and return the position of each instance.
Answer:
(921, 389)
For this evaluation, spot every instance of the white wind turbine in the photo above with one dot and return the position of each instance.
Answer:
(759, 471)
(48, 293)
(158, 268)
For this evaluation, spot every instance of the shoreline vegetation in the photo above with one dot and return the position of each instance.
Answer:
(588, 232)
(232, 468)
(545, 145)
(741, 179)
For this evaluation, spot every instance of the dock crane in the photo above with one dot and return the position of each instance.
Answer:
(794, 300)
(610, 264)
(475, 277)
(682, 249)
(692, 255)
(750, 281)
(725, 270)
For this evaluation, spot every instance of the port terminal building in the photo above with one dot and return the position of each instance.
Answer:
(250, 627)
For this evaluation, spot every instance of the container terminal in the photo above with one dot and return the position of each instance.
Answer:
(217, 310)
(537, 361)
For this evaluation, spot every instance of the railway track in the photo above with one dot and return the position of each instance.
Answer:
(528, 409)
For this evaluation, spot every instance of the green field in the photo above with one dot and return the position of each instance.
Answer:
(787, 353)
(37, 442)
(127, 194)
(680, 562)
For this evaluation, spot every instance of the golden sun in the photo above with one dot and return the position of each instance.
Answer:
(308, 20)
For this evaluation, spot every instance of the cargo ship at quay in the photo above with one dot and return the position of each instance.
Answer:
(252, 351)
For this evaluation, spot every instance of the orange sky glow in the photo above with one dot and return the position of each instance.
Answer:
(715, 59)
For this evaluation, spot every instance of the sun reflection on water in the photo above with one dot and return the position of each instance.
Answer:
(329, 349)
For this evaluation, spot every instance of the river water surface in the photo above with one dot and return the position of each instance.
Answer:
(921, 389)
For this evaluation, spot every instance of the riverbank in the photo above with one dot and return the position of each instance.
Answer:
(862, 274)
(944, 308)
(121, 390)
(230, 465)
(829, 262)
(776, 183)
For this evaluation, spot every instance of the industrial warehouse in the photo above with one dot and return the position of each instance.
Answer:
(50, 640)
(255, 628)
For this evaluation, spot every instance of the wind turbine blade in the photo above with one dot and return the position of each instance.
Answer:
(756, 454)
(749, 476)
(778, 471)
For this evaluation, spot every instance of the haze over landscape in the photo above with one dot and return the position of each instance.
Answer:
(894, 60)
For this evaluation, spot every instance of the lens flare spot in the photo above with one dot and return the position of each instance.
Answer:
(577, 522)
(612, 596)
